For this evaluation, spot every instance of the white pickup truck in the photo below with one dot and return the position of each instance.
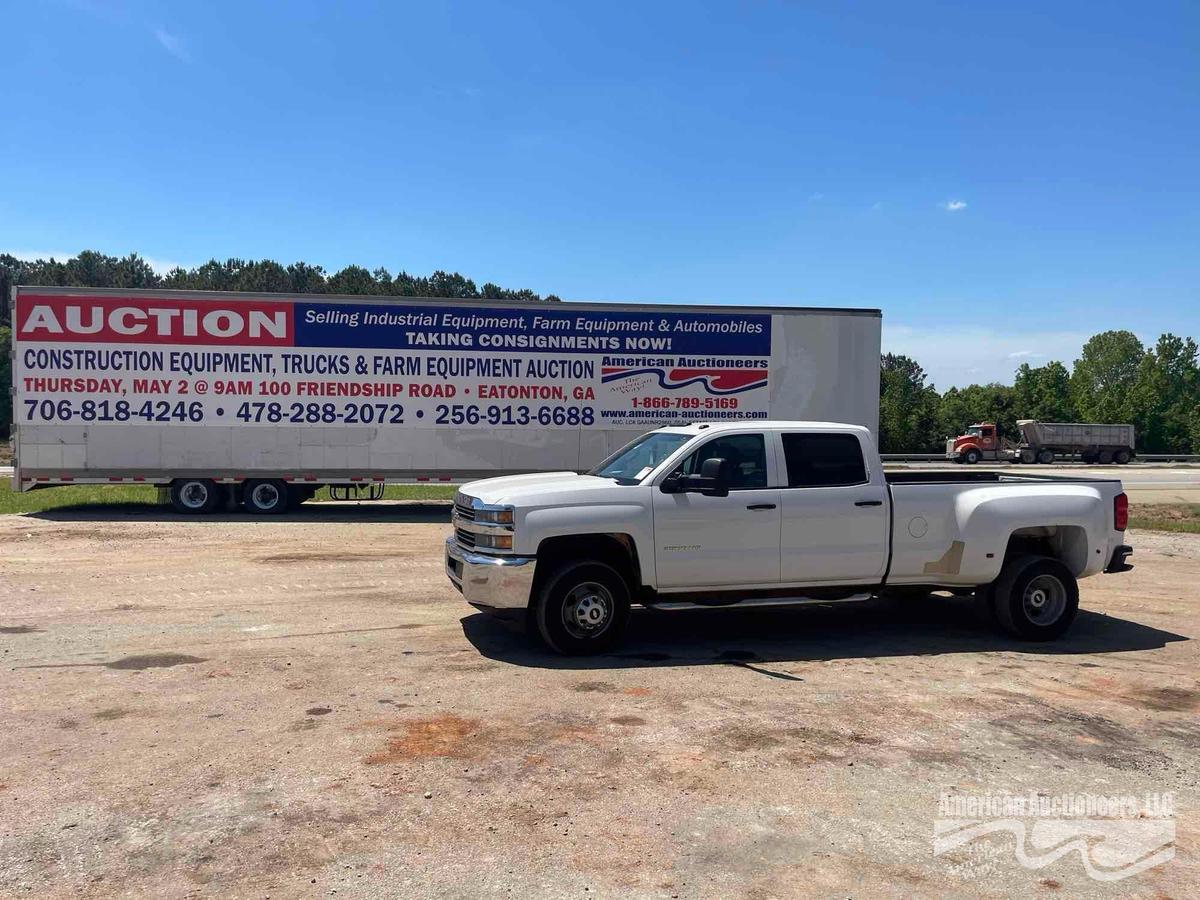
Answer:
(775, 513)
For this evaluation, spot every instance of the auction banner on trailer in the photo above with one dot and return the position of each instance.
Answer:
(83, 359)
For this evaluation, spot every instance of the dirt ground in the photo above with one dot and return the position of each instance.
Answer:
(306, 707)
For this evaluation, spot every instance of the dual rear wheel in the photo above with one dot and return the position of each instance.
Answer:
(1036, 598)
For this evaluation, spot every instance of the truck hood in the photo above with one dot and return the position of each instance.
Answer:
(535, 489)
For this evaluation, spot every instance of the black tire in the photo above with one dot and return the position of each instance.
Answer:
(266, 497)
(972, 456)
(582, 608)
(1122, 457)
(194, 496)
(1087, 456)
(1028, 457)
(1035, 598)
(1105, 458)
(1045, 456)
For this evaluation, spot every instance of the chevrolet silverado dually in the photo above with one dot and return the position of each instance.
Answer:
(769, 514)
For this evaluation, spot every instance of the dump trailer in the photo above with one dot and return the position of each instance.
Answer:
(260, 400)
(1091, 442)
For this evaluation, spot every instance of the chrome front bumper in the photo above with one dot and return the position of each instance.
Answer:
(497, 582)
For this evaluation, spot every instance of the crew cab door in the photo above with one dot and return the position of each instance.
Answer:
(834, 510)
(706, 541)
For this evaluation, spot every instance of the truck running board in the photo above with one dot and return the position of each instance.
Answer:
(759, 602)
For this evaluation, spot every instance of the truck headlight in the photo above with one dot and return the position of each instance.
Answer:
(493, 541)
(502, 515)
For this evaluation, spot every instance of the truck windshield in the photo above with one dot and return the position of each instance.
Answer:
(636, 460)
(975, 431)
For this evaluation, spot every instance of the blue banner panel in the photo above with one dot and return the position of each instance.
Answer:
(538, 329)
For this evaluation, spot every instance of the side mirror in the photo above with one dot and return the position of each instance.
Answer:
(709, 482)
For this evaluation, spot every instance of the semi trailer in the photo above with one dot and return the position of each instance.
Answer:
(1043, 442)
(262, 399)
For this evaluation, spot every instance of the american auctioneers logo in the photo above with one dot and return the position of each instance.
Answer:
(1115, 837)
(715, 381)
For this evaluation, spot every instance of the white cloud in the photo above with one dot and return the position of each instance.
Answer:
(157, 263)
(35, 255)
(163, 266)
(173, 44)
(953, 205)
(955, 356)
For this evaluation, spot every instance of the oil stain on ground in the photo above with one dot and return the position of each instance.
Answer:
(18, 629)
(128, 663)
(1168, 699)
(153, 661)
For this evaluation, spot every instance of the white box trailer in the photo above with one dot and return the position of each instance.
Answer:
(264, 398)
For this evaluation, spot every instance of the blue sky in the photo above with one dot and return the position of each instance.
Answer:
(1003, 180)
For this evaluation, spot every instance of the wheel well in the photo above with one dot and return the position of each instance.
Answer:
(617, 550)
(1066, 543)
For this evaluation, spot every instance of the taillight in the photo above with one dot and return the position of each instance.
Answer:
(1120, 511)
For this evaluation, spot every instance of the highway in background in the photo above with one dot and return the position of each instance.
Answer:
(1144, 482)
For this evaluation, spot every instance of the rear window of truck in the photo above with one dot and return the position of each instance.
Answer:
(823, 460)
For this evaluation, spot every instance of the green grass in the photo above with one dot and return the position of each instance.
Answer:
(1183, 517)
(77, 496)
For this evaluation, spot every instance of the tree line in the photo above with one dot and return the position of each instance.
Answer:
(1116, 378)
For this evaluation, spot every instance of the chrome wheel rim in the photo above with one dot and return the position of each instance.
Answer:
(1044, 600)
(587, 610)
(265, 496)
(194, 495)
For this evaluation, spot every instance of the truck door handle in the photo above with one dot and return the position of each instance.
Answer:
(868, 503)
(761, 506)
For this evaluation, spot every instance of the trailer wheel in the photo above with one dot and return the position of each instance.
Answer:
(582, 608)
(194, 496)
(1045, 456)
(1105, 458)
(972, 456)
(1087, 456)
(265, 498)
(1035, 598)
(1122, 457)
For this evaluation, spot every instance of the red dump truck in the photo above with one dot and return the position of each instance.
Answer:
(1043, 442)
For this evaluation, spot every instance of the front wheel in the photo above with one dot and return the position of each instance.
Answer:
(1035, 598)
(582, 608)
(971, 457)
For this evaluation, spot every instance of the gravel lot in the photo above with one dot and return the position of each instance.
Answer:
(305, 706)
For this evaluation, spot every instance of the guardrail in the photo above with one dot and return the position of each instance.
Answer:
(1142, 457)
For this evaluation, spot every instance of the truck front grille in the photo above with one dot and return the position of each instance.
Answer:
(464, 538)
(464, 510)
